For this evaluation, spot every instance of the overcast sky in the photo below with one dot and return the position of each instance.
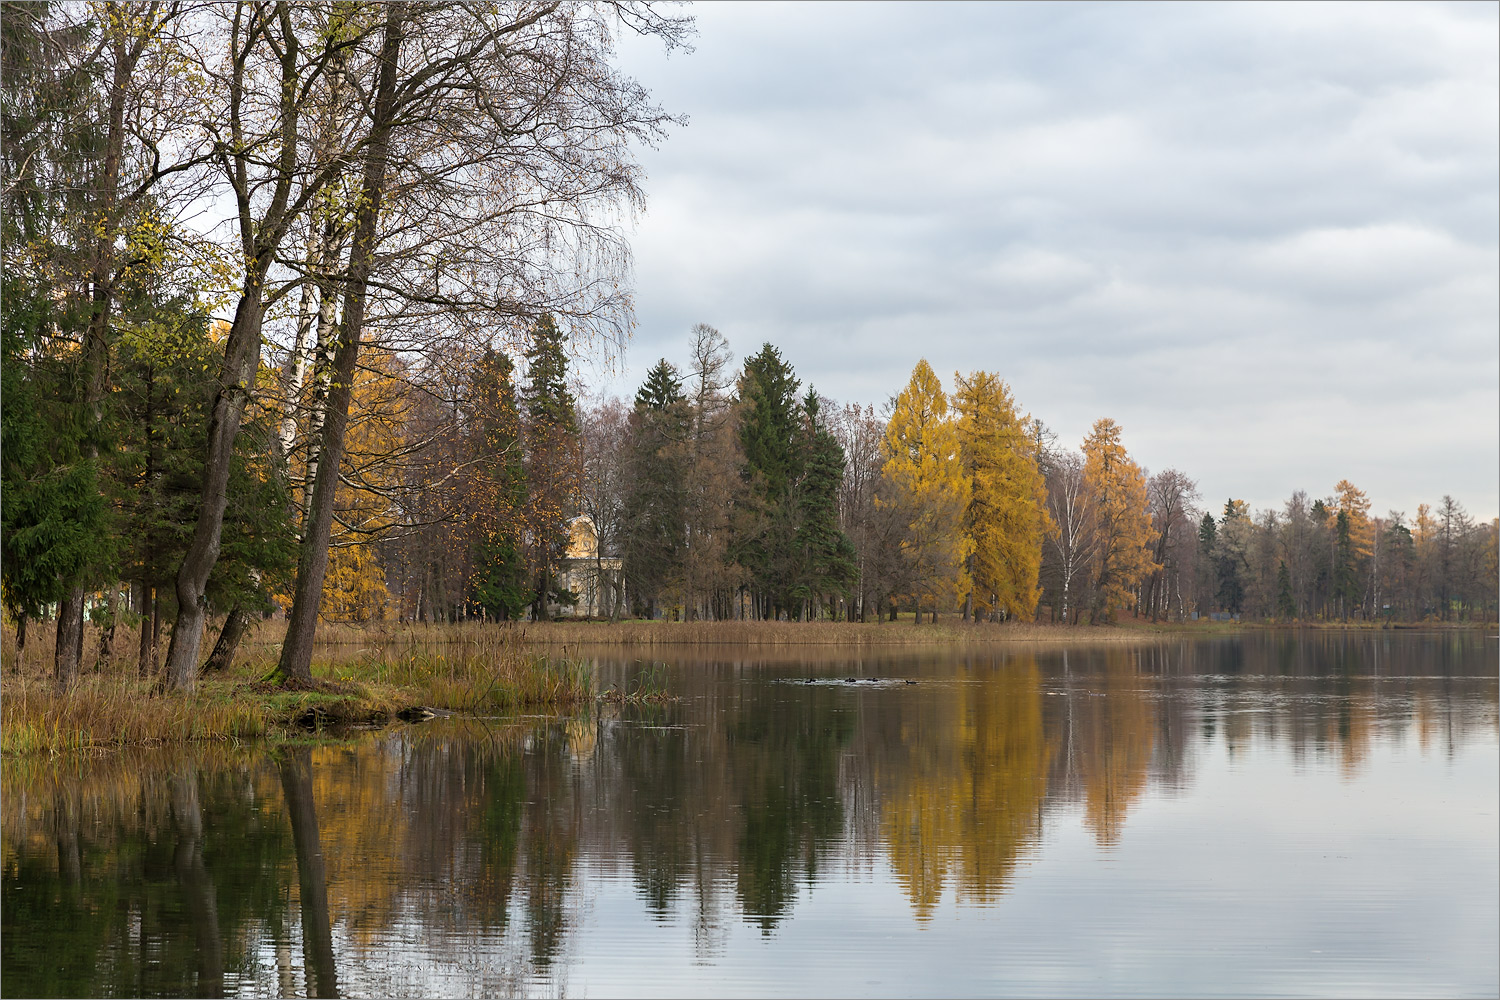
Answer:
(1261, 238)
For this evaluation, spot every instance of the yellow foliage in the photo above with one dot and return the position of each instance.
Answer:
(965, 806)
(1007, 513)
(1353, 503)
(1117, 733)
(354, 587)
(1122, 521)
(926, 480)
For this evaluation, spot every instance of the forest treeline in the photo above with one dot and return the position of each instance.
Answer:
(350, 393)
(230, 229)
(730, 492)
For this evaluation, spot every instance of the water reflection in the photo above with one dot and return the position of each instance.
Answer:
(474, 856)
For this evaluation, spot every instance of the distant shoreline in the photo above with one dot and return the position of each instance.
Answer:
(949, 630)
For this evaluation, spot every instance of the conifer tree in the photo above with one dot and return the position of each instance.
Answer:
(925, 480)
(1286, 606)
(55, 524)
(1208, 537)
(554, 470)
(653, 507)
(1007, 515)
(1117, 487)
(827, 558)
(1231, 555)
(499, 582)
(769, 435)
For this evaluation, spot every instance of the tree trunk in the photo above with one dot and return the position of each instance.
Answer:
(145, 653)
(312, 556)
(197, 886)
(241, 357)
(107, 634)
(21, 619)
(229, 641)
(312, 877)
(69, 636)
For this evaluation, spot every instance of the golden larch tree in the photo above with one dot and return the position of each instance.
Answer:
(1122, 519)
(1007, 512)
(1353, 502)
(925, 481)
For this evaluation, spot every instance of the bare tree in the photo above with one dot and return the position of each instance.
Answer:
(873, 529)
(275, 55)
(604, 429)
(1172, 496)
(1074, 543)
(711, 479)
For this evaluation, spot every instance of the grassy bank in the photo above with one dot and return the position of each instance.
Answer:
(365, 683)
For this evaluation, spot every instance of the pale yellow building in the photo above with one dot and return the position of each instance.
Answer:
(594, 579)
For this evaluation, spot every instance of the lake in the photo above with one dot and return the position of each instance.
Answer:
(1274, 814)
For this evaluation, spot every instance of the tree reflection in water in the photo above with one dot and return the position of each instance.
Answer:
(462, 856)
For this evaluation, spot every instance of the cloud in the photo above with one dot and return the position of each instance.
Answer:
(1217, 224)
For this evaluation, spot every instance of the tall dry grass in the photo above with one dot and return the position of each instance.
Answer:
(852, 635)
(360, 676)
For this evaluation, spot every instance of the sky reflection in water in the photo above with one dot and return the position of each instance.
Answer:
(1269, 815)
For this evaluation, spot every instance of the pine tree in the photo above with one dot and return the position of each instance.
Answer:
(925, 480)
(1122, 521)
(1007, 514)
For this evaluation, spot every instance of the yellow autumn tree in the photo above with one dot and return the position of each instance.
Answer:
(925, 482)
(1007, 512)
(1353, 502)
(1122, 520)
(354, 587)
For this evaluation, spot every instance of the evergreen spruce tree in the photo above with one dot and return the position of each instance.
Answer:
(554, 461)
(56, 526)
(499, 582)
(827, 557)
(769, 435)
(654, 508)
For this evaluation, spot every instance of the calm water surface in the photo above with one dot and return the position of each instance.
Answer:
(1268, 815)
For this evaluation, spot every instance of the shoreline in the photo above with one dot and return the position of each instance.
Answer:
(370, 677)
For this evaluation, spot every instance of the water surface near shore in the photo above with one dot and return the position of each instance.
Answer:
(1272, 814)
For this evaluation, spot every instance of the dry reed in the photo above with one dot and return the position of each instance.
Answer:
(853, 635)
(361, 676)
